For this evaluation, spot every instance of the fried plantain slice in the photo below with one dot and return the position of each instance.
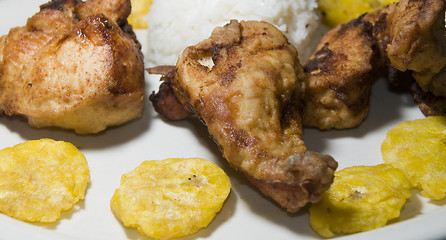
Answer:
(140, 8)
(418, 148)
(41, 178)
(361, 198)
(336, 12)
(171, 198)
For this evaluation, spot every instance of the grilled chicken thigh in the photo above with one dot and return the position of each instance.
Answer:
(246, 84)
(73, 66)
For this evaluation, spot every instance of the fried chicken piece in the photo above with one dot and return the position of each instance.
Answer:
(401, 40)
(380, 19)
(343, 68)
(164, 101)
(246, 84)
(418, 45)
(340, 76)
(429, 104)
(417, 36)
(72, 67)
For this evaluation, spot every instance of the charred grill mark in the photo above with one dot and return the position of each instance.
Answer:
(429, 103)
(290, 115)
(354, 23)
(366, 27)
(325, 60)
(381, 24)
(320, 57)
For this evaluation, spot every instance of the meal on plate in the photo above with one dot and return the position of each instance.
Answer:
(260, 77)
(41, 178)
(75, 64)
(418, 148)
(171, 198)
(361, 198)
(246, 84)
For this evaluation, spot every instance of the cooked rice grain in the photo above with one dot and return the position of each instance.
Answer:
(176, 24)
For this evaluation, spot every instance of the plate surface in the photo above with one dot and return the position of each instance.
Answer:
(246, 214)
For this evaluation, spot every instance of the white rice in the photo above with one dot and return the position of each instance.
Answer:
(176, 24)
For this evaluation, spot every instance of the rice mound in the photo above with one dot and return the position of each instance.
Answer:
(176, 24)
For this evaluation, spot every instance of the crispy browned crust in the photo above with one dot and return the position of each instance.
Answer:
(404, 41)
(72, 68)
(249, 95)
(418, 46)
(315, 171)
(417, 36)
(164, 100)
(340, 76)
(430, 105)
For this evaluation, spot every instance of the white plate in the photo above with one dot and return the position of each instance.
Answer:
(246, 214)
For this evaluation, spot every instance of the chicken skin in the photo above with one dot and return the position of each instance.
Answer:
(340, 76)
(404, 41)
(73, 66)
(246, 84)
(418, 45)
